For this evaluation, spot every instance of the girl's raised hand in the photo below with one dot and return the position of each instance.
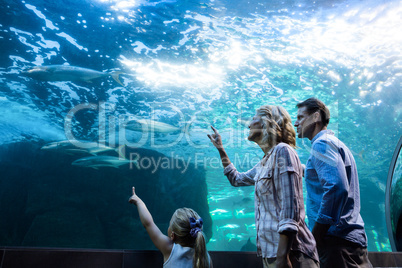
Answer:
(134, 198)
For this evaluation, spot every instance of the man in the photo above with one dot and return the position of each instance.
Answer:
(333, 196)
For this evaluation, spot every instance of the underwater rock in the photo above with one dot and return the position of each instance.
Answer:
(66, 227)
(46, 201)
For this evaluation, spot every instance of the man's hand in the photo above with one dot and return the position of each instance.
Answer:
(283, 262)
(216, 138)
(282, 255)
(319, 232)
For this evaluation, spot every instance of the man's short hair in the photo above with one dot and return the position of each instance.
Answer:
(313, 105)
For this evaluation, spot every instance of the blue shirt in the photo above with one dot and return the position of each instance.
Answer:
(333, 195)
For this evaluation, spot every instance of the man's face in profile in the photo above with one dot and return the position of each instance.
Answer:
(305, 123)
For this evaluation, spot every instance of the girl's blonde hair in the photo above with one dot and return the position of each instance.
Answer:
(277, 126)
(180, 226)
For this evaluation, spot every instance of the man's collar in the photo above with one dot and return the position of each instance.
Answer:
(322, 132)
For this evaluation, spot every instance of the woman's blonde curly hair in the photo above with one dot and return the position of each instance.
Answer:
(277, 126)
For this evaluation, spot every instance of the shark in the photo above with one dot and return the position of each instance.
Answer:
(148, 125)
(67, 73)
(102, 161)
(84, 147)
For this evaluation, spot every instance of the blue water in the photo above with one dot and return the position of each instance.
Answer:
(190, 64)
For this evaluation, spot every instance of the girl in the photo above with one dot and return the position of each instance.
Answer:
(185, 244)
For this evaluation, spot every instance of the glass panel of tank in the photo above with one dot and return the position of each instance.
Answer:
(136, 85)
(394, 200)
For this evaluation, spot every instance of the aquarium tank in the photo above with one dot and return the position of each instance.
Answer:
(98, 96)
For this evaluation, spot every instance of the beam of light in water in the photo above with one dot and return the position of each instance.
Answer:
(353, 37)
(349, 35)
(127, 6)
(161, 74)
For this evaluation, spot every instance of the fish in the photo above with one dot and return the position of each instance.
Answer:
(81, 147)
(243, 202)
(148, 125)
(102, 161)
(250, 226)
(230, 236)
(244, 212)
(67, 73)
(219, 211)
(227, 227)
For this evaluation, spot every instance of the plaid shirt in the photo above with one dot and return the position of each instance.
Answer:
(278, 201)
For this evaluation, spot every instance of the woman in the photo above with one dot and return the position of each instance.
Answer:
(283, 239)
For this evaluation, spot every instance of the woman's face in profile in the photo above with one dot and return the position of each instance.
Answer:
(256, 128)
